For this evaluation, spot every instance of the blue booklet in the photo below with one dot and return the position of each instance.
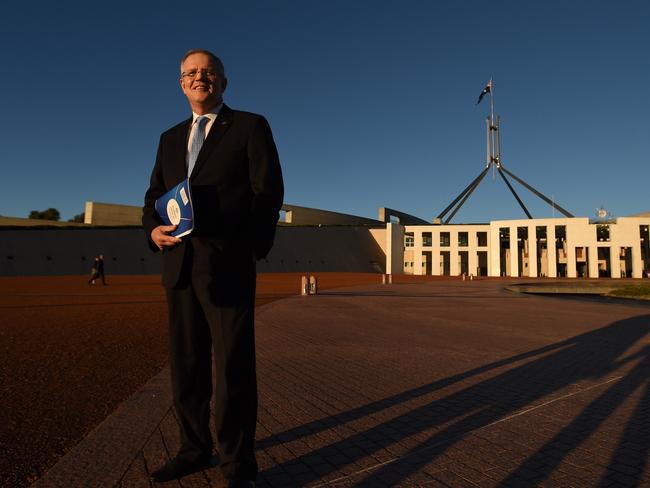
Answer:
(175, 208)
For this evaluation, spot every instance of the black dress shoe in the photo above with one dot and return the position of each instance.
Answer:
(179, 467)
(239, 483)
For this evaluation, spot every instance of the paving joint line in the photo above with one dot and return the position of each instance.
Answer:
(141, 451)
(491, 424)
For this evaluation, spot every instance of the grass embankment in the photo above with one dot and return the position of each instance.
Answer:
(635, 291)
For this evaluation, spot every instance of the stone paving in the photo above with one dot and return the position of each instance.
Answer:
(436, 384)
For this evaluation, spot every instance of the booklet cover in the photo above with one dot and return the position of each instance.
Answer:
(175, 208)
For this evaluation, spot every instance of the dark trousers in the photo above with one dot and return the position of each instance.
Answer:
(96, 275)
(211, 311)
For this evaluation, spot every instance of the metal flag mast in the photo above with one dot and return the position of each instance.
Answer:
(493, 160)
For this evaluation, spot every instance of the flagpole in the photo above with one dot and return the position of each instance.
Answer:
(487, 142)
(493, 152)
(492, 100)
(493, 141)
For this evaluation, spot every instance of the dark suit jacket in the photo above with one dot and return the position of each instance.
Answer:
(236, 186)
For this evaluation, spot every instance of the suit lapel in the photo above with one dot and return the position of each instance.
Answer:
(219, 128)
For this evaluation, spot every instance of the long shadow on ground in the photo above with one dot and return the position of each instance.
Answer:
(594, 356)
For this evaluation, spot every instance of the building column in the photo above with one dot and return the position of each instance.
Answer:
(532, 252)
(394, 248)
(472, 249)
(514, 249)
(454, 269)
(571, 271)
(593, 261)
(493, 252)
(551, 251)
(435, 260)
(616, 261)
(637, 263)
(417, 260)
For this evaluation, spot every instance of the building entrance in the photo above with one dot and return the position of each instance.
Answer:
(625, 262)
(463, 262)
(426, 262)
(582, 262)
(604, 262)
(445, 261)
(482, 264)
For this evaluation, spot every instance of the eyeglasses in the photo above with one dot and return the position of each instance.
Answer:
(208, 73)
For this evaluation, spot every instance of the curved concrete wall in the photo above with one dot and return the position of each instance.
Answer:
(296, 215)
(70, 251)
(324, 249)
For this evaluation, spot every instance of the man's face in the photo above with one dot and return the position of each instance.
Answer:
(201, 82)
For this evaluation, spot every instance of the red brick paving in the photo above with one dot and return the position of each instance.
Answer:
(453, 384)
(440, 384)
(70, 353)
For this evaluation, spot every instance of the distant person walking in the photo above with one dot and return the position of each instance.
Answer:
(97, 270)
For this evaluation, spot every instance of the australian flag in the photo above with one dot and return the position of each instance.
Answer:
(486, 90)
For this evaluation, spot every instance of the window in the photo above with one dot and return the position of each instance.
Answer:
(427, 241)
(444, 239)
(463, 239)
(482, 239)
(409, 239)
(602, 233)
(645, 246)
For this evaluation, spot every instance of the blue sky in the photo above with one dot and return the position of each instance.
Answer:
(371, 103)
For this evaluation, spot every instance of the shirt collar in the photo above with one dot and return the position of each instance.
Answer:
(212, 114)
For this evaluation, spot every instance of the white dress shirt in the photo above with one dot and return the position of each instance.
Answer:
(212, 116)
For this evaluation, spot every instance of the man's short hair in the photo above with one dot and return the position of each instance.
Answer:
(215, 59)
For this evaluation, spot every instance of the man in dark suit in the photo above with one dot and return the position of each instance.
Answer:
(209, 275)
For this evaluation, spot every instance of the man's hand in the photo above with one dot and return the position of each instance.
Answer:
(160, 236)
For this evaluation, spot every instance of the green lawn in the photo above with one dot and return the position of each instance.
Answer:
(642, 291)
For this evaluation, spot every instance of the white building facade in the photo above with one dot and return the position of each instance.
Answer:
(554, 247)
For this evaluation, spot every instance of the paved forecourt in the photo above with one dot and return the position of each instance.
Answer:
(441, 383)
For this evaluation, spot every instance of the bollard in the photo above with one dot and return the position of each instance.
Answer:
(471, 277)
(463, 276)
(313, 285)
(304, 286)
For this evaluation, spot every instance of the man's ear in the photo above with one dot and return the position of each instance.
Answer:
(224, 84)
